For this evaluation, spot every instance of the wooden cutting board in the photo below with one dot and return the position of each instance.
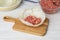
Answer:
(19, 26)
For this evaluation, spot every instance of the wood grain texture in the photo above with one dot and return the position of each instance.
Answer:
(19, 26)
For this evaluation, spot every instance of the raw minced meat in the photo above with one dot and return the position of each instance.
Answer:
(33, 20)
(50, 6)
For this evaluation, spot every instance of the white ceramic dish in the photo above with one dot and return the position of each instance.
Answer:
(9, 4)
(35, 11)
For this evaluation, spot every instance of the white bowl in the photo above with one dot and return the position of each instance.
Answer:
(9, 4)
(35, 11)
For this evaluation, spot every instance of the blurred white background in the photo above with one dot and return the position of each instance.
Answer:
(7, 33)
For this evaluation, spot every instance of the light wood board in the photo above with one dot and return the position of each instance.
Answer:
(19, 26)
